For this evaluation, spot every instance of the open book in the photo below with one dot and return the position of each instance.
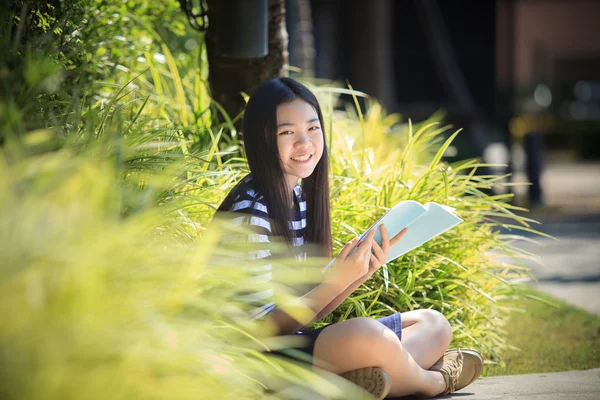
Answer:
(424, 222)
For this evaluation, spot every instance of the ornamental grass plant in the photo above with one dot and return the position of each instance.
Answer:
(375, 165)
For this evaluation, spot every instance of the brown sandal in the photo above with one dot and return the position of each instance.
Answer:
(459, 367)
(373, 379)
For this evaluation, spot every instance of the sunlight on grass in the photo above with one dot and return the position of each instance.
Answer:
(548, 336)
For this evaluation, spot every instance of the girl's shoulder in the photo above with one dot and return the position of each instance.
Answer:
(245, 189)
(244, 198)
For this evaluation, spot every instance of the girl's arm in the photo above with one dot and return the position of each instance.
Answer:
(256, 248)
(348, 268)
(339, 299)
(322, 300)
(381, 254)
(317, 300)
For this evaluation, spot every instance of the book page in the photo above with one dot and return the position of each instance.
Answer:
(436, 220)
(397, 218)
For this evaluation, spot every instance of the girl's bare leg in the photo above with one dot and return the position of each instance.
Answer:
(364, 342)
(426, 335)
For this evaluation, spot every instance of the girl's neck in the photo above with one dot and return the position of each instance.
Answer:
(291, 184)
(290, 189)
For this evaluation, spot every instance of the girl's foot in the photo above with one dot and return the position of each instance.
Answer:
(459, 367)
(373, 379)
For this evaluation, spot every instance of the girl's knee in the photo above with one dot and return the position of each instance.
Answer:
(438, 324)
(443, 327)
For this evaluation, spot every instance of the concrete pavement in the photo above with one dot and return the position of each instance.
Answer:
(571, 385)
(576, 385)
(569, 267)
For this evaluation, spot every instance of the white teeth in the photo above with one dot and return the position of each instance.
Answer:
(302, 158)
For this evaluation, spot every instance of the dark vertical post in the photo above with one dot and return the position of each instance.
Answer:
(230, 74)
(534, 148)
(242, 29)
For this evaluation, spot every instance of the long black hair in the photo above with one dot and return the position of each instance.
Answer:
(260, 142)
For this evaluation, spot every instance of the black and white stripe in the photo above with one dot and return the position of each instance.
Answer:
(255, 215)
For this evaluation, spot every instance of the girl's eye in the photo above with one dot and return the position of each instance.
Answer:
(286, 133)
(314, 128)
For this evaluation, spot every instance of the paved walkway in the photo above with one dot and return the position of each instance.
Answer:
(569, 270)
(572, 385)
(569, 267)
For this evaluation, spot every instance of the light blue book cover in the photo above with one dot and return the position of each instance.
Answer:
(424, 222)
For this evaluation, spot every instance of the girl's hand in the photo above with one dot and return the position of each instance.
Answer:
(381, 253)
(353, 261)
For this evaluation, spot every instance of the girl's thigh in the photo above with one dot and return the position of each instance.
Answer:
(394, 322)
(364, 342)
(354, 343)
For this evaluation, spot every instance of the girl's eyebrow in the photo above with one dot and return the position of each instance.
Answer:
(310, 121)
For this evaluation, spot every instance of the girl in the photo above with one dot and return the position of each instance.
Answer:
(401, 354)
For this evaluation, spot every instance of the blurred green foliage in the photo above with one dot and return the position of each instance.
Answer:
(112, 283)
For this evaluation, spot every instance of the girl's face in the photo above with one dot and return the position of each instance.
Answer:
(299, 140)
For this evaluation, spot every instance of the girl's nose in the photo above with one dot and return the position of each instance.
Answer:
(302, 139)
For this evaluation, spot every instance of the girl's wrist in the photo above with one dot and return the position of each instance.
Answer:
(362, 279)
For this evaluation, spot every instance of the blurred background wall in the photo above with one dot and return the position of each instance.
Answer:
(522, 77)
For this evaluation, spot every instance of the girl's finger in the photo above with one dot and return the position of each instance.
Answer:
(348, 248)
(367, 243)
(385, 240)
(379, 253)
(399, 236)
(374, 263)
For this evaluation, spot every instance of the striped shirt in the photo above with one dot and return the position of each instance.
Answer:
(253, 213)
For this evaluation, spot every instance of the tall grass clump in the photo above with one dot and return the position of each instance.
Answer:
(379, 160)
(109, 289)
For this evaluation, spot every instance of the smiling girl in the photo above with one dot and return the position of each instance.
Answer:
(286, 195)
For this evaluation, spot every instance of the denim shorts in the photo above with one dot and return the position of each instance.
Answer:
(393, 322)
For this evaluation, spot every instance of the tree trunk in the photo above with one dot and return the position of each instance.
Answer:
(228, 76)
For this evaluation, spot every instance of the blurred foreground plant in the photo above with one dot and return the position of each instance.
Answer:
(101, 304)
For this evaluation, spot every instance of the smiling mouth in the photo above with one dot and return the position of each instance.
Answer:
(302, 158)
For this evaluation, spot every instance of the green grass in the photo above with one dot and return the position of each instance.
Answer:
(551, 336)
